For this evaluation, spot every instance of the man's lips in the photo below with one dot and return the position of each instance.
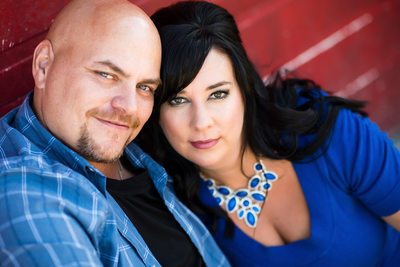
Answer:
(116, 125)
(204, 144)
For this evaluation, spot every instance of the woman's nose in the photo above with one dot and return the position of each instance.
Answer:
(202, 118)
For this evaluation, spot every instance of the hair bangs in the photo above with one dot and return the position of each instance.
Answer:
(185, 52)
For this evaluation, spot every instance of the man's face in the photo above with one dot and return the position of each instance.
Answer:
(99, 91)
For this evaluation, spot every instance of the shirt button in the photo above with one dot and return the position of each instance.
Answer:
(89, 169)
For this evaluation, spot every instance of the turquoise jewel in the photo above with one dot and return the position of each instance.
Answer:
(256, 209)
(254, 182)
(223, 190)
(251, 219)
(241, 214)
(246, 202)
(258, 166)
(231, 205)
(258, 196)
(242, 193)
(267, 186)
(270, 176)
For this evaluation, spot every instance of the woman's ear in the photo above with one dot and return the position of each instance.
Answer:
(42, 59)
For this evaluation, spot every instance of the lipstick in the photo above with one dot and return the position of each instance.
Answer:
(204, 144)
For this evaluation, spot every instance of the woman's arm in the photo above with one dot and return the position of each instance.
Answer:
(393, 220)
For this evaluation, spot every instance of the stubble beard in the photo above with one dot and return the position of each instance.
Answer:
(91, 151)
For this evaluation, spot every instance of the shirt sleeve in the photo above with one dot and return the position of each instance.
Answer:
(43, 221)
(365, 163)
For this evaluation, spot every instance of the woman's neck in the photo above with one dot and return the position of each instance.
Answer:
(234, 174)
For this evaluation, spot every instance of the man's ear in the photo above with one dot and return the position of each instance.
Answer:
(42, 59)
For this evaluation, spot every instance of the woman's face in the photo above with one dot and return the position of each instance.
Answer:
(204, 121)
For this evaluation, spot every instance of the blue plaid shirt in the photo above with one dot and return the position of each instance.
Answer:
(55, 211)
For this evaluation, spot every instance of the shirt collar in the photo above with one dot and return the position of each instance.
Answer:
(140, 159)
(45, 143)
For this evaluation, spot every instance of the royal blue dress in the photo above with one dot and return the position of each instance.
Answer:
(348, 189)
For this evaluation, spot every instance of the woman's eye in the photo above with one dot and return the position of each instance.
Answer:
(219, 95)
(177, 101)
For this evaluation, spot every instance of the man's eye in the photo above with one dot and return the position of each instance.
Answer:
(145, 88)
(219, 95)
(177, 101)
(105, 75)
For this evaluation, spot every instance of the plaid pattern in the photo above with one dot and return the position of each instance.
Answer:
(55, 211)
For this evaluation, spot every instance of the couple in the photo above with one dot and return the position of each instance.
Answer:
(282, 174)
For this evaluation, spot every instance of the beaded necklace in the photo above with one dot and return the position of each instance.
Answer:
(246, 202)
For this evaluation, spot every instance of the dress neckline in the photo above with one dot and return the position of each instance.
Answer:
(322, 222)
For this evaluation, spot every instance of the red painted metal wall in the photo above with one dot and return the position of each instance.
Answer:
(350, 47)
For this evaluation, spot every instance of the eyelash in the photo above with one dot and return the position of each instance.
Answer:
(106, 75)
(224, 93)
(150, 89)
(173, 102)
(109, 76)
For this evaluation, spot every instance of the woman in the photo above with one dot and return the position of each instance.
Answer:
(282, 174)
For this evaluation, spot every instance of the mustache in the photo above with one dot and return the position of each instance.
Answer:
(116, 117)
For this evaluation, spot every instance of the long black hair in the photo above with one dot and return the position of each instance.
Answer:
(273, 118)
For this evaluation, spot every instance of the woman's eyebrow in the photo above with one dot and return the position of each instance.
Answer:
(218, 85)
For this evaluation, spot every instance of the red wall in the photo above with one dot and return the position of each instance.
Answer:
(349, 47)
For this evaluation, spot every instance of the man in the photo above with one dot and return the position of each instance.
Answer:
(68, 147)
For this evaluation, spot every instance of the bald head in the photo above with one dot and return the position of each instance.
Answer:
(95, 75)
(80, 20)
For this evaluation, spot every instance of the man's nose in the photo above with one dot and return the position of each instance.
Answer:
(125, 99)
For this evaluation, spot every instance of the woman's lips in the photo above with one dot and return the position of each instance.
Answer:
(204, 144)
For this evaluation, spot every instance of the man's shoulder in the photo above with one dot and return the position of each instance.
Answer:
(13, 136)
(50, 204)
(37, 172)
(38, 185)
(30, 162)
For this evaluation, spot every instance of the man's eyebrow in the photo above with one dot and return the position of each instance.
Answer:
(112, 66)
(157, 82)
(217, 85)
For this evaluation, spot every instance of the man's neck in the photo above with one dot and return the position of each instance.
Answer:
(115, 170)
(110, 170)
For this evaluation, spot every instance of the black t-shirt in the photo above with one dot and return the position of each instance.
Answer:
(141, 202)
